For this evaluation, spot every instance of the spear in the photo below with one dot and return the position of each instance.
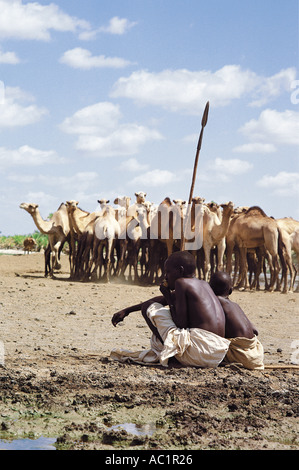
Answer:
(203, 125)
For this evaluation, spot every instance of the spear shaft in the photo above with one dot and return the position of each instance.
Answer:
(203, 125)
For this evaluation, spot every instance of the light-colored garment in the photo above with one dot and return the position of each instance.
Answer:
(191, 347)
(248, 352)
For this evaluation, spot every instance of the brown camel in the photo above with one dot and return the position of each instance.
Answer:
(252, 229)
(165, 230)
(29, 245)
(214, 233)
(288, 227)
(79, 220)
(57, 229)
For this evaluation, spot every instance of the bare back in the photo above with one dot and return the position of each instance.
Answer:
(236, 322)
(196, 306)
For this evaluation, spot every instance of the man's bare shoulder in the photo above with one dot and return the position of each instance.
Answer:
(191, 283)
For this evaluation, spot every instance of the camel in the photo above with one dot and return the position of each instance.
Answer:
(79, 220)
(29, 245)
(214, 233)
(57, 229)
(124, 203)
(289, 227)
(294, 239)
(252, 229)
(137, 231)
(140, 199)
(106, 231)
(121, 244)
(164, 231)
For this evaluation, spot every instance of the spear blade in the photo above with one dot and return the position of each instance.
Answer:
(203, 125)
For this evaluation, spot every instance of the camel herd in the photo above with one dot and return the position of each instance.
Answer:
(132, 240)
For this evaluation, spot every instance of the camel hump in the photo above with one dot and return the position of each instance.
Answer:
(255, 210)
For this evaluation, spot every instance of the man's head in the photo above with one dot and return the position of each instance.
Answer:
(179, 264)
(221, 283)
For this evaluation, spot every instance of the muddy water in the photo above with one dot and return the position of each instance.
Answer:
(42, 443)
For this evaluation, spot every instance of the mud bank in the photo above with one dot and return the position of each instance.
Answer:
(58, 380)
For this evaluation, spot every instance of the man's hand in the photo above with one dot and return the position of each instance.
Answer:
(118, 317)
(165, 291)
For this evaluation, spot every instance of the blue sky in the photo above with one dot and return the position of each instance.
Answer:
(104, 98)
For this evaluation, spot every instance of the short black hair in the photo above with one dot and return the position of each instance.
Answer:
(185, 259)
(221, 283)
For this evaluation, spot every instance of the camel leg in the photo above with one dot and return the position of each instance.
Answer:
(55, 257)
(207, 266)
(244, 284)
(220, 251)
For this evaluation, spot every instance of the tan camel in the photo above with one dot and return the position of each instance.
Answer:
(124, 203)
(214, 233)
(288, 227)
(295, 247)
(252, 229)
(57, 229)
(106, 231)
(164, 231)
(79, 220)
(137, 233)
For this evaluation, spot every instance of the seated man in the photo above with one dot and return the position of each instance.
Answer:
(192, 326)
(244, 347)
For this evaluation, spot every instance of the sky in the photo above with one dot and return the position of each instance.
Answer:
(104, 98)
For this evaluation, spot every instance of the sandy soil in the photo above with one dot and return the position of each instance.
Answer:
(59, 381)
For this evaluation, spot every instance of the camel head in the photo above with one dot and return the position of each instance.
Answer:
(29, 207)
(228, 206)
(140, 197)
(123, 201)
(179, 202)
(71, 205)
(103, 202)
(198, 200)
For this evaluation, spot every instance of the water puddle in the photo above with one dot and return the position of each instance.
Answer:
(136, 429)
(43, 443)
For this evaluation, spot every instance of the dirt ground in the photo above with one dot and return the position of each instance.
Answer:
(59, 381)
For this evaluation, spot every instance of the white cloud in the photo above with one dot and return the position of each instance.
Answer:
(133, 165)
(282, 184)
(231, 166)
(13, 113)
(100, 132)
(27, 156)
(118, 26)
(255, 147)
(79, 58)
(81, 181)
(96, 119)
(125, 140)
(187, 91)
(48, 203)
(223, 170)
(35, 21)
(273, 127)
(154, 178)
(9, 58)
(272, 87)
